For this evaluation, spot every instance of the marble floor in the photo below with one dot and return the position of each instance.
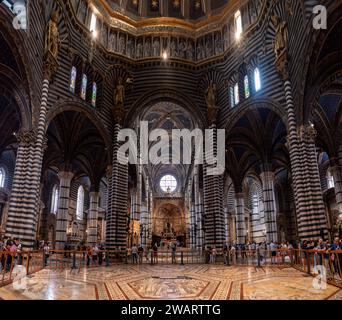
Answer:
(195, 282)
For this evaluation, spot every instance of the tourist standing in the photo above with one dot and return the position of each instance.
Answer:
(173, 252)
(273, 248)
(46, 250)
(140, 253)
(135, 253)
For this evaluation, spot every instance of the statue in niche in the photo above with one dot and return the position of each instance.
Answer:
(112, 42)
(182, 49)
(139, 49)
(156, 48)
(119, 94)
(52, 39)
(226, 38)
(253, 11)
(173, 48)
(121, 48)
(130, 48)
(190, 51)
(281, 40)
(218, 44)
(83, 11)
(148, 48)
(208, 48)
(211, 101)
(200, 50)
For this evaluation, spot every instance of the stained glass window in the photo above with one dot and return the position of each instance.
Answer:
(232, 102)
(2, 177)
(238, 25)
(84, 87)
(93, 23)
(257, 80)
(168, 183)
(330, 180)
(80, 203)
(236, 94)
(94, 95)
(246, 84)
(73, 79)
(54, 200)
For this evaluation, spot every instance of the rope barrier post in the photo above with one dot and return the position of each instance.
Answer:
(258, 255)
(227, 255)
(73, 260)
(182, 258)
(308, 262)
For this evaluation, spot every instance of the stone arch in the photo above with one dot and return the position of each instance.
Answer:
(253, 104)
(84, 110)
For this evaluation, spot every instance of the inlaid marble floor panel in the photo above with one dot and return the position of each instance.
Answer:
(195, 282)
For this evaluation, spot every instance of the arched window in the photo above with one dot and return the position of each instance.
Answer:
(54, 199)
(2, 178)
(246, 85)
(257, 80)
(94, 95)
(80, 203)
(236, 94)
(73, 79)
(84, 87)
(238, 25)
(93, 20)
(330, 180)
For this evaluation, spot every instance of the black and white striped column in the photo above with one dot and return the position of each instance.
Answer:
(311, 220)
(241, 231)
(213, 198)
(21, 219)
(63, 208)
(92, 218)
(116, 226)
(199, 211)
(267, 180)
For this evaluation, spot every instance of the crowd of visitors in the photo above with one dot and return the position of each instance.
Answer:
(320, 251)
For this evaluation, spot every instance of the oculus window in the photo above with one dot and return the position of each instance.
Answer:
(168, 183)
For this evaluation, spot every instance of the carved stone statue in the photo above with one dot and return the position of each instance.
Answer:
(119, 95)
(139, 50)
(208, 48)
(121, 48)
(148, 48)
(52, 39)
(281, 40)
(211, 95)
(190, 51)
(200, 53)
(156, 48)
(211, 100)
(112, 42)
(182, 49)
(130, 48)
(173, 48)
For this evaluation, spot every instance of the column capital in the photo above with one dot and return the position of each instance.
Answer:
(94, 194)
(27, 137)
(65, 175)
(307, 132)
(267, 176)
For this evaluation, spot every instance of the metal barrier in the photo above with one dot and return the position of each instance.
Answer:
(31, 262)
(308, 261)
